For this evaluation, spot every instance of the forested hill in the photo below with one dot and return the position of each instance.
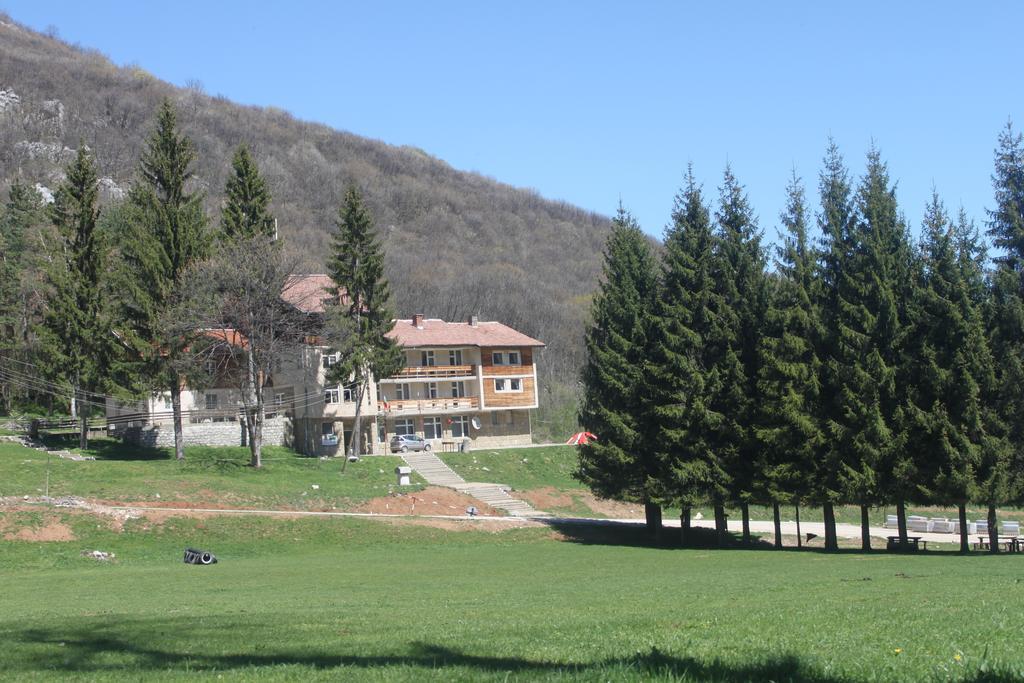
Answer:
(457, 242)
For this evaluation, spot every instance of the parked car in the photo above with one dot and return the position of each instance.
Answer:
(408, 442)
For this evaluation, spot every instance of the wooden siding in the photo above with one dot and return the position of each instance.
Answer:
(508, 399)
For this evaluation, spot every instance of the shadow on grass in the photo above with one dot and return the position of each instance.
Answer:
(107, 448)
(89, 651)
(97, 650)
(610, 532)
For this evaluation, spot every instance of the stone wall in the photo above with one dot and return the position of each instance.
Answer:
(276, 432)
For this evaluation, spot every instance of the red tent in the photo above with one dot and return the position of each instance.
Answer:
(581, 438)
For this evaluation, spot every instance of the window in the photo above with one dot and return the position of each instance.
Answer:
(431, 428)
(331, 396)
(328, 437)
(506, 358)
(494, 418)
(455, 357)
(458, 389)
(211, 401)
(431, 389)
(402, 392)
(404, 427)
(381, 433)
(508, 385)
(511, 417)
(168, 404)
(278, 400)
(348, 394)
(427, 358)
(331, 359)
(460, 426)
(210, 366)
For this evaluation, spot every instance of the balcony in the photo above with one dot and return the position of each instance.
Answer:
(432, 372)
(429, 405)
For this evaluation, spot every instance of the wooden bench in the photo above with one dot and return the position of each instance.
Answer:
(1013, 543)
(912, 544)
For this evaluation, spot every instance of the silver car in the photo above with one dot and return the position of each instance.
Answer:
(408, 442)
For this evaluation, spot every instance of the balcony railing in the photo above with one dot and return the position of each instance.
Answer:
(429, 405)
(432, 372)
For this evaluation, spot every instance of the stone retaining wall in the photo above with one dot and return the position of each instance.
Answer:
(276, 432)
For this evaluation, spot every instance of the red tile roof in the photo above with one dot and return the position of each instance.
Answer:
(307, 292)
(436, 332)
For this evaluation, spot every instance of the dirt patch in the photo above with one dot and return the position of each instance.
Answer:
(51, 530)
(433, 500)
(491, 526)
(550, 498)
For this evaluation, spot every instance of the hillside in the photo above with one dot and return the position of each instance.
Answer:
(457, 242)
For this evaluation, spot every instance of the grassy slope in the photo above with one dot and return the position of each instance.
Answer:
(329, 599)
(208, 476)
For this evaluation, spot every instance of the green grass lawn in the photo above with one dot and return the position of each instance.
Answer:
(315, 599)
(209, 476)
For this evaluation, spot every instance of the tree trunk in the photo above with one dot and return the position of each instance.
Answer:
(901, 521)
(721, 524)
(684, 527)
(829, 513)
(83, 430)
(965, 546)
(993, 532)
(777, 519)
(354, 450)
(799, 535)
(179, 432)
(652, 514)
(865, 528)
(745, 512)
(256, 436)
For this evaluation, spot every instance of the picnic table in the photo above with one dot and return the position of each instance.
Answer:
(912, 544)
(1013, 543)
(447, 445)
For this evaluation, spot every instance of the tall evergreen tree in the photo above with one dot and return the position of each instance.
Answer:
(77, 333)
(743, 297)
(788, 427)
(22, 224)
(953, 368)
(361, 317)
(678, 388)
(887, 467)
(168, 234)
(246, 213)
(836, 222)
(620, 463)
(1000, 478)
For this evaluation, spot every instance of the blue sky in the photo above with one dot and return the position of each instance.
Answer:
(590, 102)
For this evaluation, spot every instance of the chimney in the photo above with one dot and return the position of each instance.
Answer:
(417, 321)
(473, 321)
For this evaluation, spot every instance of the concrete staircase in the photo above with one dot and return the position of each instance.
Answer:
(433, 469)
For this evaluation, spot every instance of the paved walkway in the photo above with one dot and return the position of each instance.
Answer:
(437, 473)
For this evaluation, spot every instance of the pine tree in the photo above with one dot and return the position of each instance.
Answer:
(359, 321)
(999, 477)
(788, 427)
(620, 463)
(22, 222)
(678, 401)
(836, 222)
(77, 334)
(948, 426)
(167, 235)
(743, 297)
(245, 213)
(886, 466)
